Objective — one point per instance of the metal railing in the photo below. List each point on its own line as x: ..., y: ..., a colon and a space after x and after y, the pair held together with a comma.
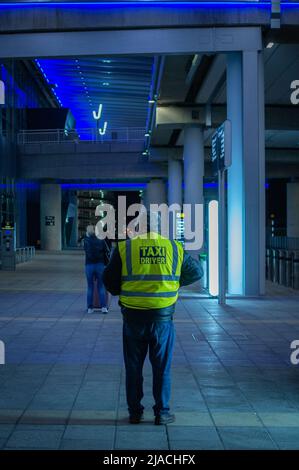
x: 282, y: 267
x: 56, y: 136
x: 283, y: 243
x: 24, y: 254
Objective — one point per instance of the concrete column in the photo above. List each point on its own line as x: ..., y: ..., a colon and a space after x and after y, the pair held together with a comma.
x: 246, y: 177
x: 193, y: 165
x: 175, y: 179
x: 73, y: 215
x: 155, y: 192
x: 175, y: 193
x: 235, y: 190
x: 193, y: 171
x: 292, y: 210
x: 50, y: 211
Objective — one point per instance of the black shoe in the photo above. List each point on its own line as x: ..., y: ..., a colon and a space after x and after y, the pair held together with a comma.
x: 165, y: 418
x: 136, y: 418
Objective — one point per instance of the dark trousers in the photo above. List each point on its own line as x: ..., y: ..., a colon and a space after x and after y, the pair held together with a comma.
x: 138, y: 339
x: 95, y: 271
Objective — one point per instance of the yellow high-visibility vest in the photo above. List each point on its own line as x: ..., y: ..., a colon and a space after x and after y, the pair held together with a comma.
x: 151, y: 268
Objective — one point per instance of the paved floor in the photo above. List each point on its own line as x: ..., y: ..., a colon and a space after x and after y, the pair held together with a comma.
x: 63, y: 383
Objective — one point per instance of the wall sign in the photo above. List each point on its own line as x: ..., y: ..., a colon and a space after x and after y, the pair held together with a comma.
x: 221, y: 147
x: 50, y: 220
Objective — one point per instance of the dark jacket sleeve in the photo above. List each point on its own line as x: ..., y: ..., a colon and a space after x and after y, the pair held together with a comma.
x: 191, y: 270
x: 112, y: 273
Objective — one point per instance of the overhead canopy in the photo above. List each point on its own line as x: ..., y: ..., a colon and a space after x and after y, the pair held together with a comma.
x: 121, y: 85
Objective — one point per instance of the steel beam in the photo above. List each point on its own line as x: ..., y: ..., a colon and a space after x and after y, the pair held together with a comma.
x: 135, y: 42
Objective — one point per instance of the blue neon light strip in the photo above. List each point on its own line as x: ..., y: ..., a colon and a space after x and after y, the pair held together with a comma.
x: 147, y: 3
x: 123, y: 185
x: 48, y: 81
x: 136, y: 186
x: 104, y: 185
x: 150, y: 3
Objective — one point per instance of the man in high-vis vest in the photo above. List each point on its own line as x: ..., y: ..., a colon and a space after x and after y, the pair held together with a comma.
x: 147, y: 272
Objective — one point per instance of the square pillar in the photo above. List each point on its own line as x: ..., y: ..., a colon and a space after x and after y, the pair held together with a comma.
x: 155, y: 192
x: 246, y: 177
x: 50, y: 217
x: 175, y: 180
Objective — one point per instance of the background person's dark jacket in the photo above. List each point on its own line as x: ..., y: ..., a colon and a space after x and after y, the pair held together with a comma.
x: 191, y: 272
x: 95, y: 250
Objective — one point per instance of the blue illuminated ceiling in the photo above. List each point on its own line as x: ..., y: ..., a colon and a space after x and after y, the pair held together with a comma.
x: 133, y: 3
x: 121, y: 85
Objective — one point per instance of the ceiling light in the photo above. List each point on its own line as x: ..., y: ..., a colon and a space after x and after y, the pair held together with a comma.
x: 106, y: 83
x: 270, y: 45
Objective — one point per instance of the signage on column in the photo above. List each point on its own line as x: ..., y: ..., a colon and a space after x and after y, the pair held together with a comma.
x: 180, y: 227
x: 221, y: 147
x: 221, y: 160
x: 8, y: 226
x: 50, y: 220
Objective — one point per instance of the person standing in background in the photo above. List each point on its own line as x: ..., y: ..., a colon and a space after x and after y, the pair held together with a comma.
x: 95, y: 260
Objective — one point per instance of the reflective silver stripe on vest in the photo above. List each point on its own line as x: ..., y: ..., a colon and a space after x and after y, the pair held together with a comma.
x: 127, y: 293
x: 151, y: 277
x: 175, y: 257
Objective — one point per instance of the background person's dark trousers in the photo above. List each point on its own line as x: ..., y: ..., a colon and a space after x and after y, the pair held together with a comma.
x: 95, y: 272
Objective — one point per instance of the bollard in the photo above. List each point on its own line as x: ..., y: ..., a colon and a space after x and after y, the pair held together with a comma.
x: 275, y: 264
x: 289, y: 269
x: 282, y: 267
x: 269, y: 264
x: 296, y: 270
